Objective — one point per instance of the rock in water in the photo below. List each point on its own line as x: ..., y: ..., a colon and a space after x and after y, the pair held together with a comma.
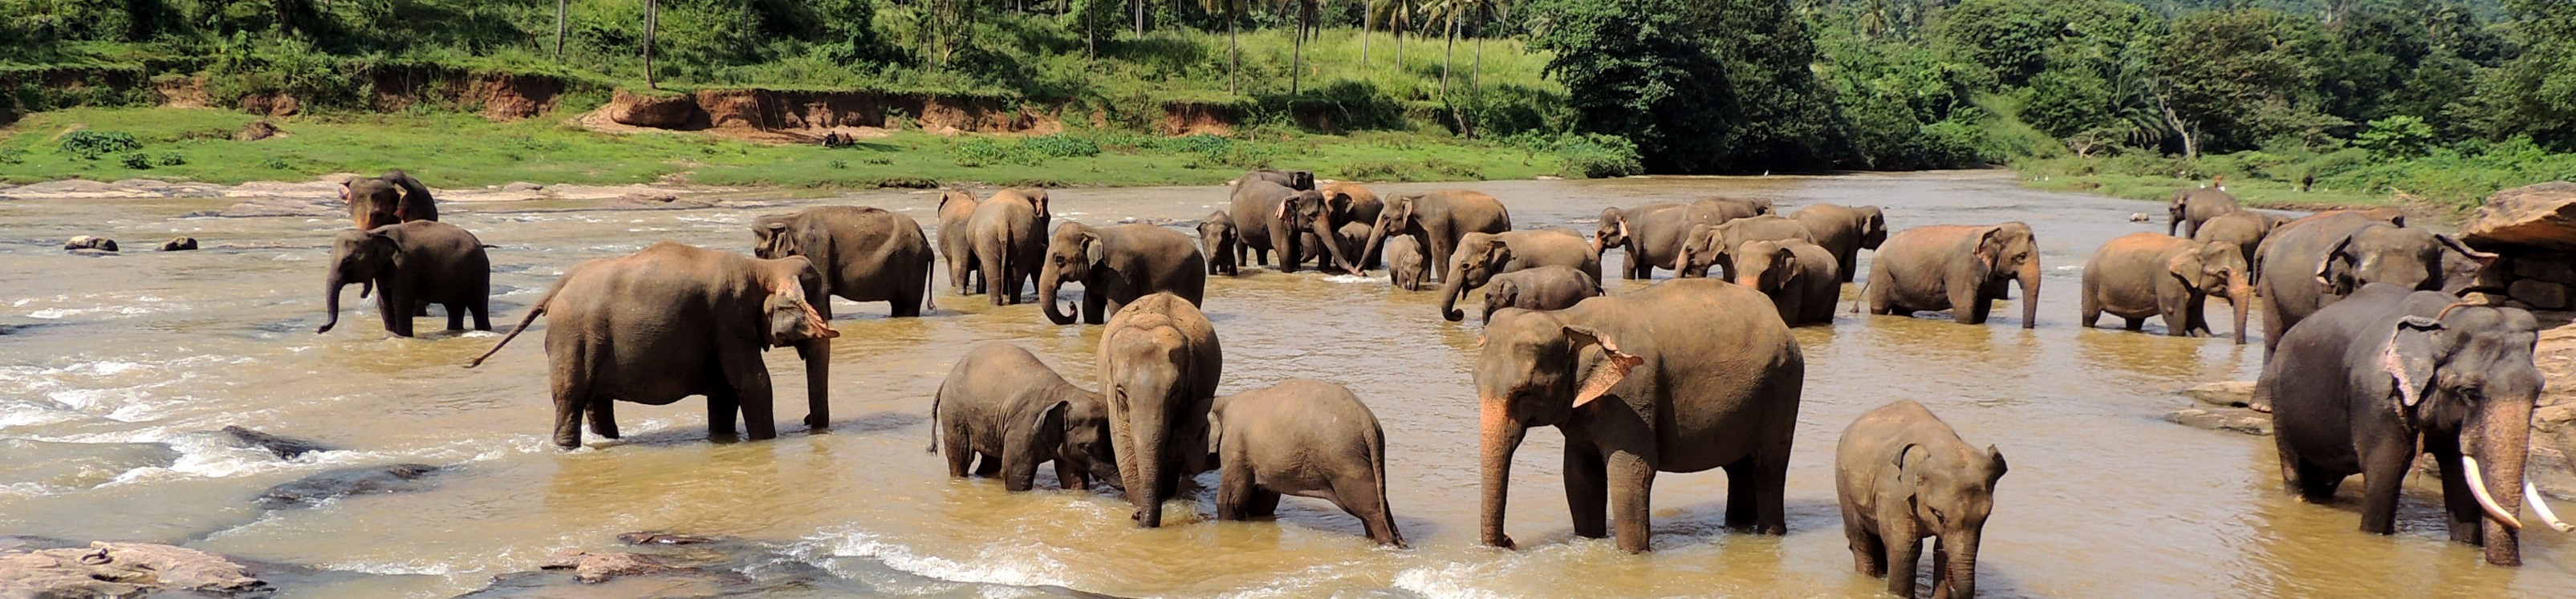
x: 2138, y: 217
x: 2540, y: 216
x: 285, y: 448
x: 90, y: 242
x: 2226, y: 394
x: 124, y: 570
x: 310, y: 490
x: 2224, y: 419
x: 179, y: 244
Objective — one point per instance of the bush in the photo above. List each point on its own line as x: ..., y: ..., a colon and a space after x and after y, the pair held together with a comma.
x: 1061, y: 146
x: 90, y: 145
x: 274, y: 163
x: 1596, y: 156
x: 983, y: 151
x: 171, y: 159
x: 2401, y: 136
x: 138, y: 161
x: 13, y: 156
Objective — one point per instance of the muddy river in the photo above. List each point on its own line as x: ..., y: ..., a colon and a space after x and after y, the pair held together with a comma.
x: 116, y: 373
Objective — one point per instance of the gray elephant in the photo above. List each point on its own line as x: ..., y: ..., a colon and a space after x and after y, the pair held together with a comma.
x: 1798, y: 276
x: 1301, y: 437
x: 956, y: 246
x: 2310, y: 263
x: 1844, y: 230
x: 1117, y: 264
x: 416, y: 264
x: 1292, y: 179
x: 1158, y: 365
x: 1962, y: 269
x: 2191, y: 207
x: 1718, y: 211
x: 1651, y: 234
x: 1436, y: 220
x: 392, y: 198
x: 1273, y: 217
x: 2369, y: 383
x: 1901, y: 476
x: 2146, y: 274
x: 672, y: 321
x: 1217, y: 239
x: 1541, y: 288
x: 2244, y: 229
x: 1000, y: 402
x: 1009, y: 234
x: 1406, y: 267
x: 866, y: 254
x: 1480, y: 256
x: 1707, y: 245
x: 1351, y: 204
x: 1683, y: 376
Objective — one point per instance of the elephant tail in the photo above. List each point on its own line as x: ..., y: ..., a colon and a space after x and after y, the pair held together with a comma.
x: 534, y: 311
x: 929, y: 284
x: 1864, y: 298
x: 934, y: 418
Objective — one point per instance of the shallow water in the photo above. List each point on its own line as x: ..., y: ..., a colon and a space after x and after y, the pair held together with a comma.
x: 115, y: 372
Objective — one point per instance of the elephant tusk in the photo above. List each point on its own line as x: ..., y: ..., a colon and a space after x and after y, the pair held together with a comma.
x: 2531, y: 494
x: 2478, y: 488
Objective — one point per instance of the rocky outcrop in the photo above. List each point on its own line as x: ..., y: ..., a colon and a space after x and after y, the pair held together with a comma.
x: 179, y: 244
x: 90, y: 242
x: 255, y: 131
x: 513, y: 97
x: 122, y: 570
x: 282, y: 447
x: 2539, y: 216
x: 311, y: 490
x: 658, y: 112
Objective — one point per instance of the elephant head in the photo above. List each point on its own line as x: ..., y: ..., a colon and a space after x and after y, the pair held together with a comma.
x: 1873, y: 226
x: 1479, y: 254
x: 1395, y: 219
x: 1072, y: 253
x: 1700, y: 250
x: 1080, y: 425
x: 771, y: 239
x: 797, y: 314
x: 357, y: 257
x: 1951, y: 492
x: 1308, y: 212
x: 1613, y: 230
x: 1534, y: 369
x: 1502, y: 294
x: 2005, y: 253
x: 1765, y: 266
x: 2465, y: 374
x: 2412, y: 258
x: 2175, y: 209
x: 2218, y: 268
x: 1146, y: 376
x: 1297, y: 180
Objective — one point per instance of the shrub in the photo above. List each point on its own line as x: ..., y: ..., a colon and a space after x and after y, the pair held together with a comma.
x: 1061, y: 146
x: 13, y: 156
x: 1594, y: 155
x: 138, y: 161
x: 274, y: 163
x: 90, y: 145
x: 838, y: 164
x: 171, y: 159
x: 983, y: 151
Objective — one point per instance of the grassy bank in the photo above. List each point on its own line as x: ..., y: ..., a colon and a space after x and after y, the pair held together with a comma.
x: 2439, y: 180
x: 453, y: 150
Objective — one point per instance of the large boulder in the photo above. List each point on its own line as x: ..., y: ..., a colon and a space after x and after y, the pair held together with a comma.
x: 123, y: 570
x: 2539, y: 216
x: 313, y: 490
x: 664, y: 112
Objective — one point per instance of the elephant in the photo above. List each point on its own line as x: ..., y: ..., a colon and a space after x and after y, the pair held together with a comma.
x: 1352, y: 203
x: 956, y: 245
x: 1683, y: 376
x: 1541, y: 288
x: 1275, y: 217
x: 418, y: 263
x: 1292, y: 179
x: 1707, y: 245
x: 2192, y: 206
x: 1158, y: 365
x: 674, y: 320
x: 1436, y: 220
x: 1009, y: 233
x: 1117, y: 264
x: 1481, y: 255
x: 866, y: 254
x: 1301, y: 437
x: 2243, y: 228
x: 1963, y: 269
x: 2147, y: 274
x: 1717, y: 211
x: 2310, y: 263
x: 1405, y: 265
x: 1004, y: 404
x: 1217, y: 238
x: 2390, y: 372
x: 391, y: 198
x: 1798, y: 276
x: 1901, y: 474
x: 1844, y: 230
x: 1650, y: 233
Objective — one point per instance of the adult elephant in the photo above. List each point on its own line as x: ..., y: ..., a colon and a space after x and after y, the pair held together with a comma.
x: 2192, y: 206
x: 1269, y: 216
x: 1845, y: 231
x: 1351, y: 204
x: 672, y: 321
x: 416, y: 264
x: 1683, y: 376
x: 1799, y: 277
x: 392, y: 198
x: 1292, y: 179
x: 1117, y: 264
x: 1708, y: 245
x: 1436, y: 220
x: 2244, y: 229
x: 1651, y: 234
x: 2139, y: 275
x: 1009, y: 233
x: 2312, y: 262
x: 1963, y: 269
x: 2391, y: 372
x: 1480, y: 256
x: 1717, y: 211
x: 866, y: 254
x: 956, y: 246
x: 1158, y: 366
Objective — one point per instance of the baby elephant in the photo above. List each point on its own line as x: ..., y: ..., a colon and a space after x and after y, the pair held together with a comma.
x: 2145, y: 274
x: 1002, y: 403
x: 1406, y: 266
x: 1799, y: 277
x: 1216, y: 241
x: 1301, y: 437
x: 1542, y: 288
x: 1903, y: 475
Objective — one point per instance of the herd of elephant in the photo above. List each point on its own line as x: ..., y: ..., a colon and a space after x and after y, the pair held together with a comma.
x: 2371, y: 356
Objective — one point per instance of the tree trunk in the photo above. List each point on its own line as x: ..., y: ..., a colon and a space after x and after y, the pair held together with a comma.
x: 1476, y: 77
x: 1140, y: 17
x: 1449, y: 52
x: 1297, y: 57
x: 559, y: 27
x: 1233, y: 55
x: 649, y: 6
x: 1368, y: 14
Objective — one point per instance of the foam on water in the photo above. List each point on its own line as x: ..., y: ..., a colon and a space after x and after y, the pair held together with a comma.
x: 1003, y: 563
x: 1447, y: 580
x: 1347, y: 278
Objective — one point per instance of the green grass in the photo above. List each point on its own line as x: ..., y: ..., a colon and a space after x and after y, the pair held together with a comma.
x: 2445, y: 181
x: 455, y: 150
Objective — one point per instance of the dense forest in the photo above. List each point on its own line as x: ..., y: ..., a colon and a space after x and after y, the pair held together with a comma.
x: 2365, y: 94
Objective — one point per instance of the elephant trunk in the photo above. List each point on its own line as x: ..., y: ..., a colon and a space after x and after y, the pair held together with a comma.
x: 817, y: 354
x: 1147, y: 491
x: 331, y: 301
x: 2029, y: 277
x: 1377, y: 237
x: 2240, y: 298
x: 1450, y: 290
x: 1290, y: 242
x: 1502, y: 436
x: 1333, y: 243
x: 1048, y: 280
x: 1959, y: 577
x: 2503, y: 436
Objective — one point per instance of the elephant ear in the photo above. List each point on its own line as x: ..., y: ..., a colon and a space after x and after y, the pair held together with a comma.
x: 1038, y: 199
x: 347, y: 196
x: 774, y: 236
x: 2334, y: 272
x: 1614, y: 365
x: 1994, y: 466
x: 1094, y: 252
x: 2186, y: 266
x: 1051, y: 422
x: 1909, y: 473
x: 1990, y: 247
x: 1785, y: 262
x: 2408, y: 358
x: 2460, y: 274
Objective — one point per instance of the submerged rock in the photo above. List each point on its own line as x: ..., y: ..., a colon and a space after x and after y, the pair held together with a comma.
x: 2226, y: 394
x: 90, y: 242
x: 656, y: 538
x: 179, y: 244
x: 667, y: 565
x: 285, y: 448
x: 123, y: 570
x: 310, y: 490
x: 2223, y: 419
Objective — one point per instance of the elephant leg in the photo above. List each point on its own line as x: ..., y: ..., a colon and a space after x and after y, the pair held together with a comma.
x: 1742, y: 504
x: 1096, y: 307
x: 996, y: 279
x: 482, y: 308
x: 988, y: 465
x: 750, y: 385
x: 1771, y: 491
x: 2133, y: 324
x: 1587, y: 489
x: 1357, y: 492
x: 1234, y: 491
x: 2308, y: 483
x: 959, y: 457
x: 1019, y: 465
x: 1904, y: 553
x: 455, y: 315
x: 1869, y: 553
x: 2383, y: 477
x: 1070, y: 477
x: 603, y: 417
x: 395, y: 312
x: 1440, y: 251
x: 572, y: 397
x: 1977, y: 308
x: 1631, y: 493
x: 2179, y: 316
x: 2090, y: 315
x: 2466, y: 519
x: 723, y: 403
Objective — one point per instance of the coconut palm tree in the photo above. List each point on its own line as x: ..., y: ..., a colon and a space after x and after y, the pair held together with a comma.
x: 1398, y: 16
x: 1233, y: 53
x: 560, y: 9
x: 650, y: 20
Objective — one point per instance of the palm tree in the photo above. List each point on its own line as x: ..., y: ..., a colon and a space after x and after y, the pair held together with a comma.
x: 1297, y: 58
x: 650, y: 21
x: 1367, y: 19
x: 559, y: 27
x: 1447, y: 9
x: 1398, y: 16
x: 1233, y: 53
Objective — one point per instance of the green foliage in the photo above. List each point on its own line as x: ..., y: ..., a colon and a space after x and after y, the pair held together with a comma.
x: 170, y: 159
x: 1595, y: 156
x: 13, y: 156
x: 137, y: 161
x: 1061, y: 146
x: 90, y: 145
x: 2401, y: 136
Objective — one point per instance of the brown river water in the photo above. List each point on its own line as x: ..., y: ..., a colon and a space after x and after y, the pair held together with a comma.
x: 115, y: 372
